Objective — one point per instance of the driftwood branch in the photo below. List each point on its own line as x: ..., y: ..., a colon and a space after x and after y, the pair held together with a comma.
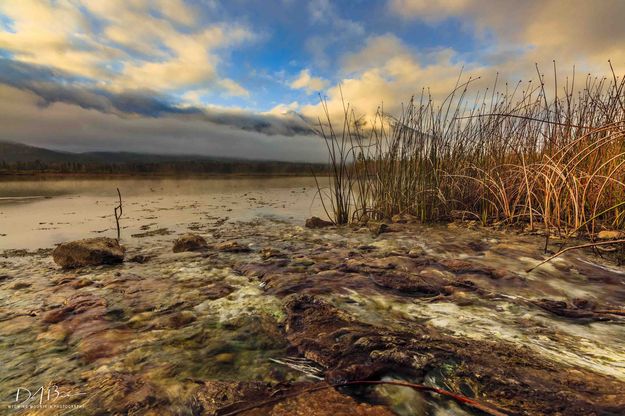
x: 559, y: 253
x: 118, y: 211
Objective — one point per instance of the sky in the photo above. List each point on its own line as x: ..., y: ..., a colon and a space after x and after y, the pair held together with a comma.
x: 244, y: 78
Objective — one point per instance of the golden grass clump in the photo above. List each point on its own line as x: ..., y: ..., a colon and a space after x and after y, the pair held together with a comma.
x: 509, y: 156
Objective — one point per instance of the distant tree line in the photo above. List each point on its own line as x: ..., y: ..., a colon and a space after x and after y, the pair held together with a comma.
x: 182, y: 167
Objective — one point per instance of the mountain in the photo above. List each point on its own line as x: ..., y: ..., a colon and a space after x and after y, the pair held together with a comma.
x: 16, y: 152
x: 20, y: 158
x: 11, y: 152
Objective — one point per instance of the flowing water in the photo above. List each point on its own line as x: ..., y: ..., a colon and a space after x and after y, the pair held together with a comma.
x: 175, y: 318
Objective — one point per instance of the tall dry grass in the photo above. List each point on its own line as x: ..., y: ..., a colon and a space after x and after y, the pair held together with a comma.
x: 510, y: 155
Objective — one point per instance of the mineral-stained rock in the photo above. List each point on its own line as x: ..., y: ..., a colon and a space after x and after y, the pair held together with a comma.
x: 79, y: 304
x: 88, y: 252
x: 407, y: 283
x: 325, y: 402
x: 190, y: 242
x: 467, y: 267
x: 121, y: 393
x: 515, y: 380
x: 231, y: 247
x: 310, y: 399
x: 316, y: 222
x: 579, y: 309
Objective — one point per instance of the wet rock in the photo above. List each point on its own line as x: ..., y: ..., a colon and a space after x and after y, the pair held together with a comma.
x: 152, y: 233
x: 379, y: 228
x: 467, y: 267
x: 139, y: 258
x: 610, y: 235
x: 216, y: 290
x: 225, y: 358
x: 182, y: 318
x: 416, y: 252
x: 325, y: 402
x: 318, y: 399
x: 316, y: 222
x: 231, y: 247
x: 261, y: 269
x: 403, y: 218
x: 81, y: 282
x: 85, y: 304
x: 88, y: 252
x: 406, y: 283
x: 21, y: 285
x: 190, y: 242
x: 506, y: 377
x: 120, y: 393
x: 478, y: 246
x: 579, y: 309
x: 215, y: 396
x: 270, y: 252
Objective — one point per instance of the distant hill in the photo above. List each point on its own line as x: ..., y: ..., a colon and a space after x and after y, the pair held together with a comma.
x: 16, y: 152
x: 17, y: 158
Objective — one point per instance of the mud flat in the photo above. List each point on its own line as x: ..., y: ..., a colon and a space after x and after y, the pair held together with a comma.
x: 215, y: 331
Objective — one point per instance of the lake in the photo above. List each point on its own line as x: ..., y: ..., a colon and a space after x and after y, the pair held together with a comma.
x: 41, y: 213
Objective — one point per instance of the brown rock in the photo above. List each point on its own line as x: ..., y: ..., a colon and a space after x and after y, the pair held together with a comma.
x: 231, y: 247
x: 189, y: 242
x: 88, y: 252
x: 515, y: 379
x: 310, y: 399
x: 270, y: 252
x: 316, y: 222
x: 610, y: 235
x: 403, y: 218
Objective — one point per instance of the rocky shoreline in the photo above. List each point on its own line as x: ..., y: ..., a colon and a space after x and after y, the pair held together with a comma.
x: 265, y: 309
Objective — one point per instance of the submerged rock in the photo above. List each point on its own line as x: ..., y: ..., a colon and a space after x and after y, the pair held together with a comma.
x: 310, y: 399
x: 88, y: 252
x: 190, y: 242
x: 316, y: 222
x: 231, y: 247
x: 513, y: 379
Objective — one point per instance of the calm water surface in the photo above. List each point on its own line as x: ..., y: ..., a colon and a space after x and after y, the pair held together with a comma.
x: 41, y: 213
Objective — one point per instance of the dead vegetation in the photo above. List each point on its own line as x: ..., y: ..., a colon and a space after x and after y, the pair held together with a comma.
x: 515, y: 155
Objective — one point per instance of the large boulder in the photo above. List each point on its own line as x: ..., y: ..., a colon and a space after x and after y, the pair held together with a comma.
x: 88, y: 252
x: 190, y: 242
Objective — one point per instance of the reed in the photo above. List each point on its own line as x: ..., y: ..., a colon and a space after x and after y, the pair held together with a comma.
x: 512, y: 155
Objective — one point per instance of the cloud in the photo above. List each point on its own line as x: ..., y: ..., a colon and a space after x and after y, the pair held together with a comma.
x: 387, y: 72
x: 285, y: 108
x: 569, y: 31
x: 510, y: 38
x: 310, y: 84
x: 53, y: 86
x: 156, y: 45
x: 73, y: 128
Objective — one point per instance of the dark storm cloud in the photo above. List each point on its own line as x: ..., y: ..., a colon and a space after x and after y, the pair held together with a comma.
x: 52, y: 86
